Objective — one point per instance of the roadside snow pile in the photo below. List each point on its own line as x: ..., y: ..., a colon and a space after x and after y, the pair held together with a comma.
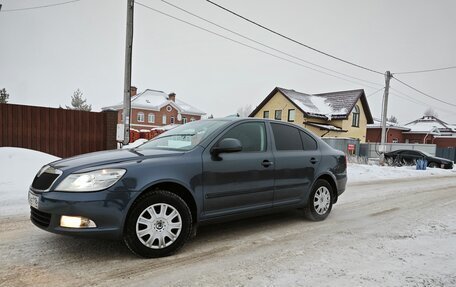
x: 365, y: 173
x: 18, y: 167
x: 134, y: 144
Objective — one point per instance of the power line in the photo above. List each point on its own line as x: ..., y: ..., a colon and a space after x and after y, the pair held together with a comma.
x: 293, y: 40
x: 39, y: 7
x: 426, y: 71
x: 423, y: 93
x: 246, y: 45
x: 374, y: 93
x: 265, y: 45
x: 409, y: 98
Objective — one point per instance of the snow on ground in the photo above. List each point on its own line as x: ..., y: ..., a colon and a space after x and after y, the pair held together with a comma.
x: 18, y: 167
x: 358, y: 173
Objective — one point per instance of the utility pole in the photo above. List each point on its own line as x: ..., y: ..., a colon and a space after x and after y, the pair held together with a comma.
x: 127, y: 79
x: 388, y: 77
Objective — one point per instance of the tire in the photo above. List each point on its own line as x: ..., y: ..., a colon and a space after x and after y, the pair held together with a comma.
x: 159, y: 223
x: 320, y: 201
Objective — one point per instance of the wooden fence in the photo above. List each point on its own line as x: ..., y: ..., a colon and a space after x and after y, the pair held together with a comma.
x: 59, y: 132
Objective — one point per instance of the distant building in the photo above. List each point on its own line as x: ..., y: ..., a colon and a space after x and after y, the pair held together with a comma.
x: 152, y: 109
x: 425, y: 130
x: 342, y: 114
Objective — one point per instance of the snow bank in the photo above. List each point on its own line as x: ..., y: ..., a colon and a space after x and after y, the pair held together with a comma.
x: 365, y: 173
x: 18, y: 167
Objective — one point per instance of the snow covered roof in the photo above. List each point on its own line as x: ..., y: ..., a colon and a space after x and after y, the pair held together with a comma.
x: 155, y: 100
x: 327, y: 127
x: 390, y: 125
x: 334, y: 105
x: 430, y: 124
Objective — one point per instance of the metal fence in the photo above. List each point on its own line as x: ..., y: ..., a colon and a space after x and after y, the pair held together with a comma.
x: 347, y: 145
x: 372, y: 150
x: 447, y: 152
x: 59, y: 132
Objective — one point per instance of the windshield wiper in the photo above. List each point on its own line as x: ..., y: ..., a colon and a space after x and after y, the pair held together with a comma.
x: 183, y: 135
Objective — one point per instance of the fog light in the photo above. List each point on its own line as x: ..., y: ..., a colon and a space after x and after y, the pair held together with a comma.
x: 76, y: 222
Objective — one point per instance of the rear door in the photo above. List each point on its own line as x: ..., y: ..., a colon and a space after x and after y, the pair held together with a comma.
x: 296, y: 157
x: 239, y: 181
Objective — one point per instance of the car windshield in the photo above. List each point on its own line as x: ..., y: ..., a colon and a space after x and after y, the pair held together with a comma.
x: 184, y: 137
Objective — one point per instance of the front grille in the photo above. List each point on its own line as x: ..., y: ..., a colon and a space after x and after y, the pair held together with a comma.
x: 40, y: 218
x: 44, y: 181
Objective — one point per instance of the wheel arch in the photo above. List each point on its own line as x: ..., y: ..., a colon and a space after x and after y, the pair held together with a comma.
x: 173, y: 187
x: 332, y: 181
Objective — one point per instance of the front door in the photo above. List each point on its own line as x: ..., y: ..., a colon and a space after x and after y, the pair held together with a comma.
x: 239, y: 181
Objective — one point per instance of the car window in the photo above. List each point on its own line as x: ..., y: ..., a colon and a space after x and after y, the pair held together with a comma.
x: 184, y: 137
x: 308, y: 142
x: 286, y: 137
x: 251, y: 135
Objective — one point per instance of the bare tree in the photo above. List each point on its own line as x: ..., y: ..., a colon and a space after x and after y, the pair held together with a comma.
x: 4, y: 96
x: 78, y: 102
x: 431, y: 112
x: 393, y: 119
x: 245, y: 111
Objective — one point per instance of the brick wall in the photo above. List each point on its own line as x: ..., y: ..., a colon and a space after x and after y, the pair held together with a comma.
x: 375, y: 134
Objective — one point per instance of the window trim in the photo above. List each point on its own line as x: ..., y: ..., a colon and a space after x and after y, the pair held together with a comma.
x: 138, y: 117
x: 164, y: 119
x: 149, y: 115
x: 184, y: 120
x: 264, y: 114
x: 294, y: 116
x: 355, y: 117
x: 275, y: 115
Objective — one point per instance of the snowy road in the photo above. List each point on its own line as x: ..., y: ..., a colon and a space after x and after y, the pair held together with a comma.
x: 397, y: 233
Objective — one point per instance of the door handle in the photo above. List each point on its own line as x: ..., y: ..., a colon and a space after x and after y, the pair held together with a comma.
x: 267, y: 163
x: 313, y: 160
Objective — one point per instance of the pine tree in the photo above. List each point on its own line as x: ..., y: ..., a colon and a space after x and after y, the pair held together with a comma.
x: 4, y: 96
x: 393, y: 119
x: 78, y: 102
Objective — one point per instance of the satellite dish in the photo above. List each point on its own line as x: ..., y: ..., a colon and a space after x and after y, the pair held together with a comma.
x: 179, y: 117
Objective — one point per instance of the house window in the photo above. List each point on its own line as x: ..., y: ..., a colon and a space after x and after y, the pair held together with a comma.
x: 278, y: 115
x: 291, y: 115
x: 355, y: 115
x: 172, y: 120
x: 164, y: 119
x: 169, y: 108
x: 395, y: 140
x: 151, y: 118
x: 266, y: 115
x: 192, y: 119
x: 184, y: 120
x: 140, y: 117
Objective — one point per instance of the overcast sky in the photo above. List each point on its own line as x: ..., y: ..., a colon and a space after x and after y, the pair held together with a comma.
x: 46, y: 54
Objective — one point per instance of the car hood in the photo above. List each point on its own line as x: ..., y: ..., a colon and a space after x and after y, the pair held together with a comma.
x: 108, y: 157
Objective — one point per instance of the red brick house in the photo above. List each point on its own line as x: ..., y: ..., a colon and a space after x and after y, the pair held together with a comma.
x: 425, y: 130
x: 153, y: 109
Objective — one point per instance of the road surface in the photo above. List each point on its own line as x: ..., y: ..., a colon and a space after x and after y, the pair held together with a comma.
x: 392, y: 233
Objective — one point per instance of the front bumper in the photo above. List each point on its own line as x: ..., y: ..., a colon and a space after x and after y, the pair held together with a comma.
x: 106, y: 208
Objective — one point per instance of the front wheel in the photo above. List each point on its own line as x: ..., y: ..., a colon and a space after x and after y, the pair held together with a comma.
x: 320, y: 201
x: 159, y: 223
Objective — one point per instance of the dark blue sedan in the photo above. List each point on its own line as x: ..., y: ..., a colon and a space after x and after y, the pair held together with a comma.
x: 154, y: 196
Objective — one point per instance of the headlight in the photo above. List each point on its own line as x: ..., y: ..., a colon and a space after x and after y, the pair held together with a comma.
x: 91, y: 181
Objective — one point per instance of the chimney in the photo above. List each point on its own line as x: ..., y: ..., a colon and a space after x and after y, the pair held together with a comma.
x: 133, y: 91
x: 172, y: 97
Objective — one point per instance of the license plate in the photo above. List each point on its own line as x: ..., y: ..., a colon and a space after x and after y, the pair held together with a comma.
x: 33, y: 200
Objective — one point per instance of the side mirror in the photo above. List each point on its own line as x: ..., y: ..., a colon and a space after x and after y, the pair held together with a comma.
x: 227, y: 145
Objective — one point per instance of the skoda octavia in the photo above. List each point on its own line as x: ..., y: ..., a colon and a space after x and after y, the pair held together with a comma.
x: 154, y: 196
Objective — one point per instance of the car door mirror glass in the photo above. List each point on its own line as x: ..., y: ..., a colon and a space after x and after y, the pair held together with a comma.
x: 227, y: 145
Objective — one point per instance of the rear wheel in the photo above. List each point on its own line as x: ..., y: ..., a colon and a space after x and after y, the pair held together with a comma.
x: 320, y: 201
x: 158, y: 225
